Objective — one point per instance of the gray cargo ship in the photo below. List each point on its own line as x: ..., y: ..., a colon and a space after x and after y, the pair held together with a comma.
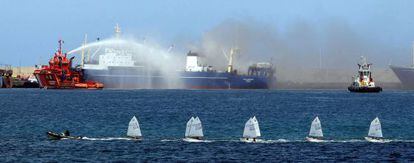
x: 405, y: 74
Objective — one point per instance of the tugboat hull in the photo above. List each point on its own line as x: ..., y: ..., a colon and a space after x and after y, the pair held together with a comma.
x: 364, y: 89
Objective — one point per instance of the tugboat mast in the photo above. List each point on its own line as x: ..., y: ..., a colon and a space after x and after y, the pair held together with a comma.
x: 60, y: 46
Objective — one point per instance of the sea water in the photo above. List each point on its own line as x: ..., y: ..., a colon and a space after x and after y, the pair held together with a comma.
x: 284, y: 117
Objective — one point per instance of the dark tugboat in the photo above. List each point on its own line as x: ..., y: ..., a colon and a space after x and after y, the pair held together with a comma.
x: 363, y: 82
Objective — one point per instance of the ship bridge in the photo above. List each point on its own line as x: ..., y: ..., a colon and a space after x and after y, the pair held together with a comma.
x: 261, y: 69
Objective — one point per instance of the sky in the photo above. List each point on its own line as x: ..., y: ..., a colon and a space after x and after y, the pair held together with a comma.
x: 30, y: 29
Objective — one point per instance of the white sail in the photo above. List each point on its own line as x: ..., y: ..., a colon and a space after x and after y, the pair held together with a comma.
x: 198, y: 128
x: 133, y: 128
x: 316, y: 128
x: 375, y: 129
x: 251, y: 128
x: 256, y: 126
x: 249, y: 131
x: 188, y: 127
x: 194, y: 128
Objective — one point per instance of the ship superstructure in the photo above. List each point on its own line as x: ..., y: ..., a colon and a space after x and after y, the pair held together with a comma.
x: 196, y: 76
x: 117, y: 69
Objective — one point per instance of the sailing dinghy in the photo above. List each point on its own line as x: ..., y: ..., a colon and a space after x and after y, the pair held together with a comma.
x: 375, y: 132
x: 134, y: 131
x: 194, y: 130
x: 315, y: 132
x: 251, y: 131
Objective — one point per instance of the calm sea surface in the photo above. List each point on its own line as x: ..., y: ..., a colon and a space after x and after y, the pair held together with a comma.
x: 284, y: 117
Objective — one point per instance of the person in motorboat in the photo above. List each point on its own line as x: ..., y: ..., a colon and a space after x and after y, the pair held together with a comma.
x: 66, y: 133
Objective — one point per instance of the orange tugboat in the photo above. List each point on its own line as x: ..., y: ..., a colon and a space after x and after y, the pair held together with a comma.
x: 60, y: 74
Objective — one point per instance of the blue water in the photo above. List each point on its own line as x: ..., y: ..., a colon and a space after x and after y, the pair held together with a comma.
x: 284, y: 117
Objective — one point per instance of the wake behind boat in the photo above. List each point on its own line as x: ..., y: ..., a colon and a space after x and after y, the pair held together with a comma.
x: 315, y: 133
x: 134, y: 131
x: 64, y: 135
x: 375, y: 132
x: 251, y: 131
x: 194, y: 130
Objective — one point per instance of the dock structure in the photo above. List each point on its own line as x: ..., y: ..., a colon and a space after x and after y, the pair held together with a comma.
x: 6, y: 72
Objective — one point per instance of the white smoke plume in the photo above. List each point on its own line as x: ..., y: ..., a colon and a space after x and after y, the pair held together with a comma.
x: 301, y: 51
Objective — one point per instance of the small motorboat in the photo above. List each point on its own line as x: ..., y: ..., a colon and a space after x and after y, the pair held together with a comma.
x: 65, y: 135
x: 363, y: 81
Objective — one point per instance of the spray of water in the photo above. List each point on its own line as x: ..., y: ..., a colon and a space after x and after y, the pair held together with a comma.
x: 152, y: 66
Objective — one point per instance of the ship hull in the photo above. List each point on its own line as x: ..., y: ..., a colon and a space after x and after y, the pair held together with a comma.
x: 222, y: 80
x: 134, y: 78
x: 126, y: 78
x: 364, y: 89
x: 405, y: 75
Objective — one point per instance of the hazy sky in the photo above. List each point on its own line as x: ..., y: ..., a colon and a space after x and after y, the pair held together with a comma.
x: 30, y: 29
